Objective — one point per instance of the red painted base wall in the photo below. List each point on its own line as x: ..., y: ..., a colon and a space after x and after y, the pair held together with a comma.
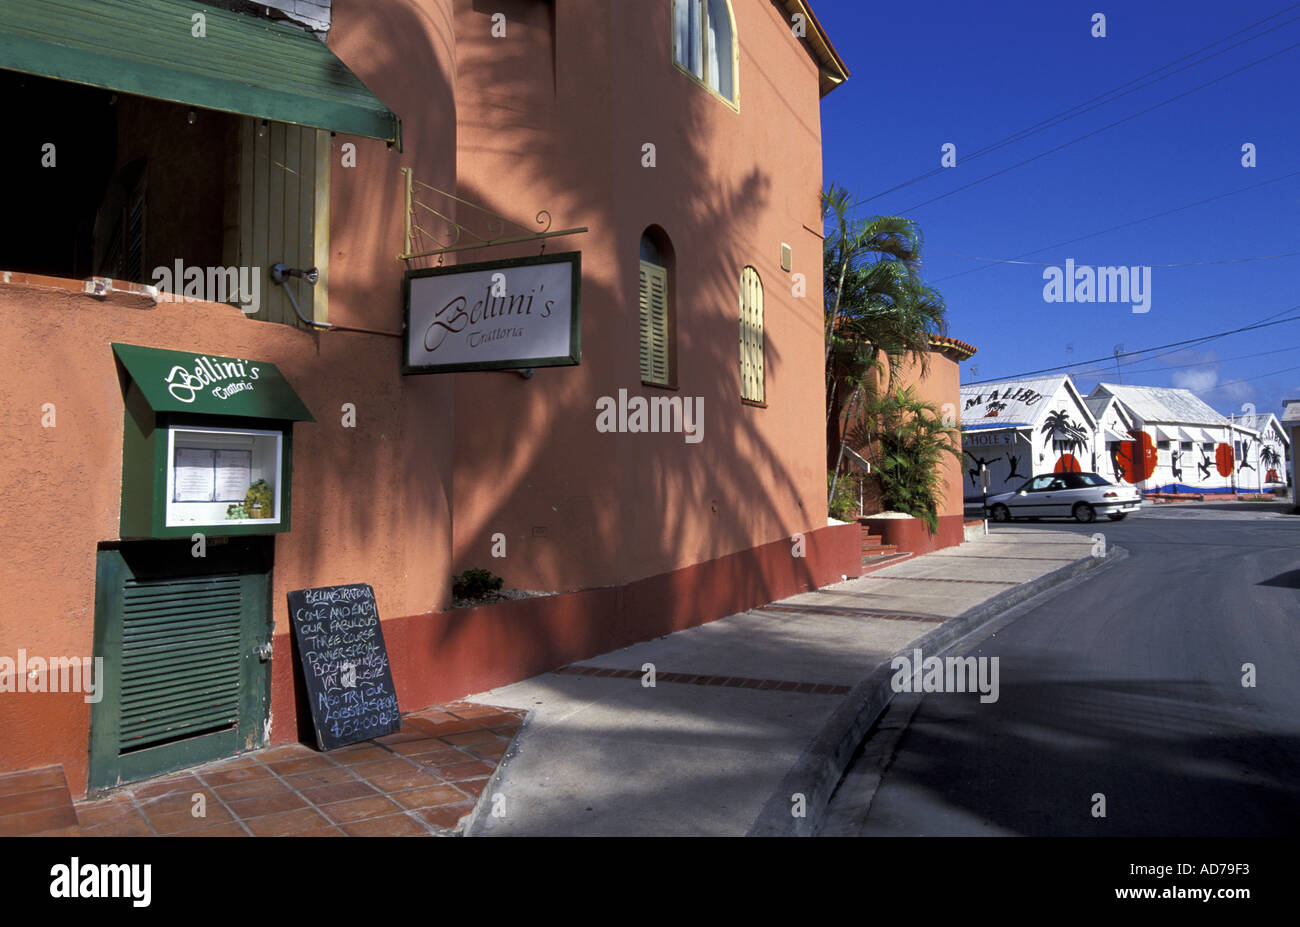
x: 443, y: 656
x: 910, y: 534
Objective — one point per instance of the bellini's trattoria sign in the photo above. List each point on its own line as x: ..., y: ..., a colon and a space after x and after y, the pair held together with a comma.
x: 494, y: 316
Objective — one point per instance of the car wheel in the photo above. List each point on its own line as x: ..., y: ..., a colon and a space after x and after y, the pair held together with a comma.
x: 1117, y: 516
x: 1084, y: 512
x: 1000, y: 513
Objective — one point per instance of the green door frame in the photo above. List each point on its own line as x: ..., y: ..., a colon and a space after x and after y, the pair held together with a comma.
x: 248, y: 558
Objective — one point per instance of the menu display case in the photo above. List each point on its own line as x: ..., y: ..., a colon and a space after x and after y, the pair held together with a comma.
x: 207, y: 447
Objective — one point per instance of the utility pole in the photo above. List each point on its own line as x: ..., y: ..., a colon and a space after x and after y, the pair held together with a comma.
x: 1232, y: 443
x: 1119, y: 349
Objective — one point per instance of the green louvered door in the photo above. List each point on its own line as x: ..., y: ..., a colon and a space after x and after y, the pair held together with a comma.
x: 184, y: 681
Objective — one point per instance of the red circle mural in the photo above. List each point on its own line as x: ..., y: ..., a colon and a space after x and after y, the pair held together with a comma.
x: 1137, y: 458
x: 1067, y: 463
x: 1223, y: 459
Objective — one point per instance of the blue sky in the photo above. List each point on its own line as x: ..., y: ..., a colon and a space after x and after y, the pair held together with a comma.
x: 933, y: 72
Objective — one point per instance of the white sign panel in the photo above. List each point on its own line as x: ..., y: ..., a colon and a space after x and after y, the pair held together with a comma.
x: 987, y: 438
x: 499, y: 315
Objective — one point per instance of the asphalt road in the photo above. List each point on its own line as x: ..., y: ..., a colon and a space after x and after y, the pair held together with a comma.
x: 1127, y: 684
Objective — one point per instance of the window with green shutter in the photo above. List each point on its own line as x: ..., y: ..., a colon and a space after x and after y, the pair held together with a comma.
x: 654, y: 324
x: 751, y: 336
x: 657, y: 324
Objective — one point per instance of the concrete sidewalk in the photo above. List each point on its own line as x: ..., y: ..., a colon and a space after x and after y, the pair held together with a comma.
x: 749, y: 709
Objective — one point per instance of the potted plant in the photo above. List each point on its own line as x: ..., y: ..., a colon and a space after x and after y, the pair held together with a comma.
x: 259, y: 502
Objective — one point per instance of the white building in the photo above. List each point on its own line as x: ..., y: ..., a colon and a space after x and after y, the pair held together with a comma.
x: 1291, y: 422
x: 1198, y: 450
x: 1019, y: 428
x: 1114, y: 424
x: 1268, y: 454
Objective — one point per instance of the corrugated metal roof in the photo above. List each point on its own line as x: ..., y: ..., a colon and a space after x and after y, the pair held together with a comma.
x: 1097, y: 404
x: 241, y: 64
x: 1260, y: 423
x: 1163, y: 404
x: 1009, y: 402
x: 1291, y: 415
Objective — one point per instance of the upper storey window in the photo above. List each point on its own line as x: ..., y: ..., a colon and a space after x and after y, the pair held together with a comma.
x: 704, y: 44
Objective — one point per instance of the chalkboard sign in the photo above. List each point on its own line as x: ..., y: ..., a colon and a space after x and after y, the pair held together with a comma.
x: 344, y: 664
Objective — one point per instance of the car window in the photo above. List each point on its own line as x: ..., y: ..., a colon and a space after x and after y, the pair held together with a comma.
x: 1083, y: 480
x: 1057, y: 483
x: 1041, y: 483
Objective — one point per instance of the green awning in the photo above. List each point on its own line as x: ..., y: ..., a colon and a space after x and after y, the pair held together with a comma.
x: 186, y: 381
x: 243, y: 65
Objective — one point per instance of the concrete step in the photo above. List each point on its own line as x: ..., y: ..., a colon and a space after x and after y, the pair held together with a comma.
x: 870, y: 564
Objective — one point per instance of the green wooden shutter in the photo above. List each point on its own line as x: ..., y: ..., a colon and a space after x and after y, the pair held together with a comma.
x: 181, y: 643
x: 751, y: 336
x: 283, y: 214
x: 654, y: 324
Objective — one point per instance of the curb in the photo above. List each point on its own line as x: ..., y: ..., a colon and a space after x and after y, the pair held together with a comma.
x: 820, y: 767
x: 469, y: 825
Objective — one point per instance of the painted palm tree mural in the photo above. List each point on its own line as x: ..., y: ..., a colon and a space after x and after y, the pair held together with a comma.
x: 1067, y: 437
x: 1271, y: 459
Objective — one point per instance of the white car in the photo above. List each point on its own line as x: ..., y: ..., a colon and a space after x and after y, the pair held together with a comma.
x: 1081, y: 496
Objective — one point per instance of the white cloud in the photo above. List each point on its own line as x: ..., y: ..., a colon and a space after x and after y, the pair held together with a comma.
x: 1196, y: 379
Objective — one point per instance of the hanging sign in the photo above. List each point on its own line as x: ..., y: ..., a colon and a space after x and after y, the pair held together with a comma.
x: 494, y: 316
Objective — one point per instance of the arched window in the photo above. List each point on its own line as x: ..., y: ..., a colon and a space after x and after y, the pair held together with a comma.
x: 704, y: 44
x: 657, y: 354
x: 751, y: 336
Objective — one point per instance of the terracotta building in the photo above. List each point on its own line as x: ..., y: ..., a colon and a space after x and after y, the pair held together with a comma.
x: 243, y: 354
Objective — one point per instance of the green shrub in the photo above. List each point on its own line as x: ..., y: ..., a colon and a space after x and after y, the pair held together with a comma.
x: 910, y: 440
x: 844, y: 504
x: 475, y: 584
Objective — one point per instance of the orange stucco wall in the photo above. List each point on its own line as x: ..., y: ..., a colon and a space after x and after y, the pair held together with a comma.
x: 436, y: 465
x: 940, y: 385
x: 937, y: 383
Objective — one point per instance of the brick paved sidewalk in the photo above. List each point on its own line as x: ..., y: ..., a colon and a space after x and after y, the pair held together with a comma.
x: 418, y: 782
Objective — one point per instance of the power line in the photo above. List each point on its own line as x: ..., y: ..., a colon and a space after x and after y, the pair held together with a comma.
x: 1067, y: 114
x: 1119, y: 354
x: 1105, y: 128
x: 1122, y: 225
x: 1204, y: 363
x: 1271, y: 373
x: 1266, y: 257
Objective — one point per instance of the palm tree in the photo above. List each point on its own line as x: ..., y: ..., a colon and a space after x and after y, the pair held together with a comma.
x: 910, y: 441
x: 876, y: 307
x: 1064, y: 431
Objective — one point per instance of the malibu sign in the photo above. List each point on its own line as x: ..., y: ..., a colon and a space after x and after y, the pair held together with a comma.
x: 498, y: 315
